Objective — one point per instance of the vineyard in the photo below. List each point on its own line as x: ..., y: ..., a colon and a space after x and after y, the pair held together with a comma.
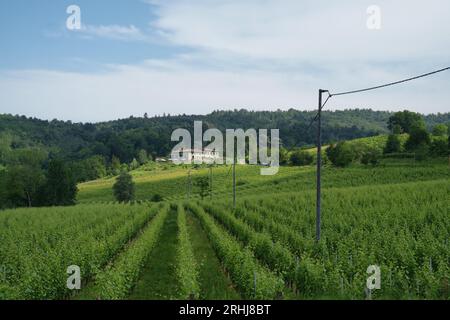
x: 395, y: 217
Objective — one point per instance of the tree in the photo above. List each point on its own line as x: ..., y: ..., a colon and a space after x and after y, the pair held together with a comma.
x: 301, y: 158
x: 124, y: 187
x: 22, y: 183
x: 60, y: 188
x: 440, y: 130
x: 89, y: 169
x: 393, y: 144
x: 418, y: 138
x: 202, y: 183
x: 397, y: 129
x: 115, y: 166
x: 371, y: 156
x: 406, y: 120
x: 5, y: 147
x: 439, y: 147
x: 142, y: 157
x: 284, y: 156
x: 24, y: 177
x: 134, y: 164
x: 341, y: 154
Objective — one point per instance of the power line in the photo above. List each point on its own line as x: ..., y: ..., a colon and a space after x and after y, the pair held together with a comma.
x: 319, y: 129
x: 390, y: 84
x: 330, y: 95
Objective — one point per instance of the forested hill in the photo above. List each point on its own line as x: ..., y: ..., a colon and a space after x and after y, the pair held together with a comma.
x: 124, y: 138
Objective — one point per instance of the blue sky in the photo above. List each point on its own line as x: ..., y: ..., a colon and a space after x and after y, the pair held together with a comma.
x: 38, y: 37
x: 195, y: 56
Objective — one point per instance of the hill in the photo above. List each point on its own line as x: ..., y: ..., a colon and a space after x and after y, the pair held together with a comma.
x: 126, y: 137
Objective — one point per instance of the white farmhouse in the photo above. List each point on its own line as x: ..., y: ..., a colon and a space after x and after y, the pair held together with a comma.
x: 190, y: 155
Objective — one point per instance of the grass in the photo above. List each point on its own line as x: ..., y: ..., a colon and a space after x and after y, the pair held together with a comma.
x: 158, y: 279
x: 173, y: 185
x: 214, y: 284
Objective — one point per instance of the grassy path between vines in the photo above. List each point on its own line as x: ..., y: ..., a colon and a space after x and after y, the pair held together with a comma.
x: 214, y: 284
x: 158, y: 279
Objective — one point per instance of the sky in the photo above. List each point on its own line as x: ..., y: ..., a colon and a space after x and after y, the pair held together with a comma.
x: 131, y: 57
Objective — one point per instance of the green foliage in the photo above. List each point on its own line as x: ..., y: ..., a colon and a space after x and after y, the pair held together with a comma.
x: 353, y: 238
x: 419, y: 139
x: 284, y: 156
x: 406, y: 120
x: 239, y: 262
x: 157, y: 198
x: 21, y: 186
x: 202, y: 184
x: 90, y: 169
x: 301, y: 158
x: 125, y: 138
x: 272, y: 254
x: 116, y: 281
x: 143, y: 157
x: 341, y: 154
x: 440, y: 147
x: 440, y: 130
x: 393, y: 144
x: 124, y: 188
x: 134, y: 164
x: 115, y: 166
x: 38, y: 245
x: 371, y: 156
x: 187, y: 267
x: 60, y: 187
x: 168, y: 182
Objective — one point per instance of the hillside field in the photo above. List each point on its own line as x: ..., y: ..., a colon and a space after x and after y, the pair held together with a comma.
x: 395, y: 216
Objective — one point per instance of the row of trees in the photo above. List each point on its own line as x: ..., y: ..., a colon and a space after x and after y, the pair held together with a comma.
x: 420, y: 143
x: 31, y: 184
x: 99, y: 167
x: 127, y: 137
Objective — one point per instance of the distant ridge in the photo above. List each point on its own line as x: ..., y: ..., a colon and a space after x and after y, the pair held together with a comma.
x: 125, y: 137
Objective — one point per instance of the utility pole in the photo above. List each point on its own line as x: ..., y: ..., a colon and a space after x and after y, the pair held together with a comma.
x: 319, y: 167
x: 234, y: 183
x: 188, y: 185
x: 210, y: 182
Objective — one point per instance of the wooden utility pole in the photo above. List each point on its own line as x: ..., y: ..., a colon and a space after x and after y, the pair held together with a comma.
x: 319, y: 167
x: 234, y: 183
x: 210, y: 183
x: 188, y: 186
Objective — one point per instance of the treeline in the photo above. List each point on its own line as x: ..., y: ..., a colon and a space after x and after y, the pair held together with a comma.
x: 32, y: 180
x: 409, y: 138
x: 31, y: 177
x: 126, y: 138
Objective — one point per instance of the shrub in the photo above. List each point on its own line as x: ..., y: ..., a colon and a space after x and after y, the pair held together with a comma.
x: 157, y: 198
x: 301, y: 158
x: 371, y: 156
x: 393, y: 144
x: 341, y: 155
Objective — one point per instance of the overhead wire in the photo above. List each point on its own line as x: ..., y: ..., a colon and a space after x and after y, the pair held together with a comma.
x: 330, y: 95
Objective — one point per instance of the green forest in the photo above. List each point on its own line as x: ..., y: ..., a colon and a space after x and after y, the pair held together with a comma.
x: 42, y: 162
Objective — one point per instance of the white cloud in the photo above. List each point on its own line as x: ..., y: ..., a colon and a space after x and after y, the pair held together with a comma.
x: 174, y: 87
x: 256, y: 54
x: 308, y: 30
x: 114, y: 32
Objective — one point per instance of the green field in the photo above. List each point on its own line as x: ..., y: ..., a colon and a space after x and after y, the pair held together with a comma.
x: 395, y: 216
